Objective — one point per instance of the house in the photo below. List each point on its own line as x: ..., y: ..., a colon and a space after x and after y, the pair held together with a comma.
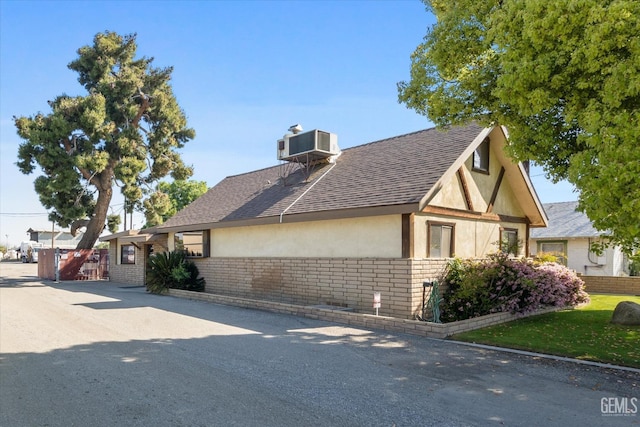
x: 331, y: 227
x: 55, y: 238
x: 569, y: 236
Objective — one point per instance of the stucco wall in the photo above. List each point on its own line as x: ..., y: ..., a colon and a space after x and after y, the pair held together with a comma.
x: 473, y: 239
x: 611, y: 263
x: 481, y: 186
x: 578, y: 259
x: 346, y: 282
x: 451, y: 195
x: 379, y: 236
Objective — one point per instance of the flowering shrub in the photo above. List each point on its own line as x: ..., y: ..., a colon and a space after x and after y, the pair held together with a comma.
x: 503, y: 284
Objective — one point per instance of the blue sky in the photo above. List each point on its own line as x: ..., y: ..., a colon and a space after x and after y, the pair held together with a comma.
x: 244, y: 71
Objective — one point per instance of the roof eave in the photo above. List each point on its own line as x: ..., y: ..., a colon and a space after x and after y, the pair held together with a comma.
x: 536, y: 200
x: 119, y: 235
x: 128, y: 236
x: 298, y: 217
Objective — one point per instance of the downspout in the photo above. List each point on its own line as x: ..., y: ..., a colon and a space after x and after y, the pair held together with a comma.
x: 306, y: 191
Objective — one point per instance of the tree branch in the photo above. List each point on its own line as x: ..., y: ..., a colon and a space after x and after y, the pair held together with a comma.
x: 143, y: 107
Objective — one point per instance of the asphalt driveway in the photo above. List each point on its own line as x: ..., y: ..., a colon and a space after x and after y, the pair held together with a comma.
x: 108, y: 354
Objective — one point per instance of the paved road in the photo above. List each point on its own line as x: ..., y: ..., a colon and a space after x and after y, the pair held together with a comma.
x: 107, y: 354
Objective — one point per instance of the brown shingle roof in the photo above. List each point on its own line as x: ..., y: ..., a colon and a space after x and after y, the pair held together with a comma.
x: 391, y: 172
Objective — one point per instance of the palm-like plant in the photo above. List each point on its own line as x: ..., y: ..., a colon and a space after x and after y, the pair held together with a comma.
x: 172, y: 270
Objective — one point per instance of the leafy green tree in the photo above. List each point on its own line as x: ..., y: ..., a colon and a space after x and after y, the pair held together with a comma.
x: 169, y: 198
x: 563, y: 76
x: 124, y: 131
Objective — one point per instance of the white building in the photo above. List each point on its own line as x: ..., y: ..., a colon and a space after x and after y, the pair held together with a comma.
x: 60, y: 239
x: 569, y: 235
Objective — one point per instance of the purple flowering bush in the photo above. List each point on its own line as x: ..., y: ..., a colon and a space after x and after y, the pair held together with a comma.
x: 503, y: 284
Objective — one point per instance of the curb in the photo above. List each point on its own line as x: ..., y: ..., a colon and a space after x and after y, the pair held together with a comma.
x: 545, y: 356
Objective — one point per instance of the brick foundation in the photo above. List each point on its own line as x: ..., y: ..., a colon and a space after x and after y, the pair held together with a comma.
x: 132, y: 274
x: 341, y: 282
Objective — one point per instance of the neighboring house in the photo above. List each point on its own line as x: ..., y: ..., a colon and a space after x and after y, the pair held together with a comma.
x: 569, y: 236
x: 61, y: 239
x: 331, y: 227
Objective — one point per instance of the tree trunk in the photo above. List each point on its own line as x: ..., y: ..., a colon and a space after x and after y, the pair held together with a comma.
x: 98, y: 220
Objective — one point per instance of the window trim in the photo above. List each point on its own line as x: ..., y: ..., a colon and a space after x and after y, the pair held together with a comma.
x: 205, y: 243
x: 564, y: 259
x: 482, y: 151
x: 452, y: 243
x: 128, y: 254
x: 506, y: 230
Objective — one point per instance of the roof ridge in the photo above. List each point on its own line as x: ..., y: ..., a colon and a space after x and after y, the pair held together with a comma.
x: 561, y: 203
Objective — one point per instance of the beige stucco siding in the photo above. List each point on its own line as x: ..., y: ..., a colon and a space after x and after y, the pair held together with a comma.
x: 473, y: 239
x: 451, y: 195
x: 481, y: 185
x: 522, y: 235
x: 582, y: 260
x: 506, y: 202
x: 367, y: 237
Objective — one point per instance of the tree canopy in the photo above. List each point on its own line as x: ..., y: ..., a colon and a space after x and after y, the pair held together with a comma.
x: 563, y: 77
x: 169, y: 198
x: 124, y: 131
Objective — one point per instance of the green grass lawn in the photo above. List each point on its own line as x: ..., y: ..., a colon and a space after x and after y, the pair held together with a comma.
x: 584, y: 333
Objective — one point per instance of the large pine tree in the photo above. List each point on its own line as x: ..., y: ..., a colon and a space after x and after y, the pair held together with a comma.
x: 125, y: 131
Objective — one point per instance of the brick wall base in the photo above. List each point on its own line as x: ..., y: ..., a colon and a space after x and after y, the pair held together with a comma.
x: 612, y: 285
x: 132, y: 274
x: 341, y: 282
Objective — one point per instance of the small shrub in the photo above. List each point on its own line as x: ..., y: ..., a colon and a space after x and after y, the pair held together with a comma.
x: 542, y: 257
x: 503, y: 284
x: 634, y: 265
x: 173, y: 270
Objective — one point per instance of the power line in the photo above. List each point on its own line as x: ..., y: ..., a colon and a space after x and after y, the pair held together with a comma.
x: 23, y: 213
